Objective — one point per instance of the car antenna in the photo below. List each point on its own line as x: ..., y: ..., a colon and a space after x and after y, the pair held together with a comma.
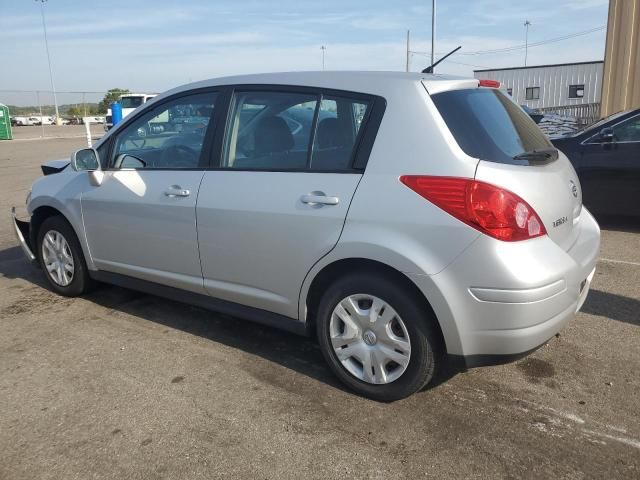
x: 430, y: 68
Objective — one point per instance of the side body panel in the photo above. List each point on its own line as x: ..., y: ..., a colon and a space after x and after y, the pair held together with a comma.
x: 134, y: 228
x: 610, y: 177
x: 391, y: 224
x: 62, y: 191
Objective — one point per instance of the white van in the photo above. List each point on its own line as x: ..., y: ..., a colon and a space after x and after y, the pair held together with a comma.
x: 129, y: 103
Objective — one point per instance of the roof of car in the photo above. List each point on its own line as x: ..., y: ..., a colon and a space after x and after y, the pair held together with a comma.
x: 360, y: 81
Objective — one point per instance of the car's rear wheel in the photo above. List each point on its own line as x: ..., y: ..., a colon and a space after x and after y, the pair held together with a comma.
x: 377, y: 338
x: 61, y: 258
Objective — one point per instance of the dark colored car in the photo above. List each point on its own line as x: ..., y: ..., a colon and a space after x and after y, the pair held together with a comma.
x: 606, y: 156
x: 534, y: 114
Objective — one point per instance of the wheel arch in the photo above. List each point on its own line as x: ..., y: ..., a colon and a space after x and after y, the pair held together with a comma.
x: 316, y: 284
x: 41, y: 213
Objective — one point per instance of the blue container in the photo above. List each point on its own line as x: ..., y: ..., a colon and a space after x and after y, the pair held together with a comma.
x: 116, y: 113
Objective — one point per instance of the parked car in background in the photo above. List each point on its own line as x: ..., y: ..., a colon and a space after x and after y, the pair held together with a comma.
x: 534, y: 114
x: 606, y: 156
x: 406, y: 219
x: 21, y: 121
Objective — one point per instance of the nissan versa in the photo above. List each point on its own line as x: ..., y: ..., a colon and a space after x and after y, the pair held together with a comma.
x: 407, y: 219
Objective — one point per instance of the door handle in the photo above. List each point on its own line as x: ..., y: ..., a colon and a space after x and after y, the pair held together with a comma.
x: 177, y: 191
x: 319, y: 199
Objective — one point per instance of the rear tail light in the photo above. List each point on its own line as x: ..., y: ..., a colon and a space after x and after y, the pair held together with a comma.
x: 492, y: 210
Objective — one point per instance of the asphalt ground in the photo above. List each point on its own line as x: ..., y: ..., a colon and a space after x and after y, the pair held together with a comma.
x: 49, y: 132
x: 124, y: 385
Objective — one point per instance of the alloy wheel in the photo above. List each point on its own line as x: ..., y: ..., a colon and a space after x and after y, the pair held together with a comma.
x: 57, y: 258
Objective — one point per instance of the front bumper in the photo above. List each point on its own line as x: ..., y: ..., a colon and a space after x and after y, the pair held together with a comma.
x: 21, y: 230
x: 499, y: 300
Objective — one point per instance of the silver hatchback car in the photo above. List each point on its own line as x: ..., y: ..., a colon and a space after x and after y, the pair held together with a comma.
x: 406, y: 219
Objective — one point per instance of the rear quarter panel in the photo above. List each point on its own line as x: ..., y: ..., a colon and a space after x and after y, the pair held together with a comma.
x: 389, y: 223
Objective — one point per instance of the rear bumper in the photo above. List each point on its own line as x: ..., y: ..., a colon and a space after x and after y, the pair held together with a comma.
x: 21, y: 230
x: 500, y: 300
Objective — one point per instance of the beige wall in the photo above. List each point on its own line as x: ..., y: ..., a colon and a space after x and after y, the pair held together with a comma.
x: 621, y: 79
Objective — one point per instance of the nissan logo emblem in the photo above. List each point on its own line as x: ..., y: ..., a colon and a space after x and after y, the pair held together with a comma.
x: 574, y: 188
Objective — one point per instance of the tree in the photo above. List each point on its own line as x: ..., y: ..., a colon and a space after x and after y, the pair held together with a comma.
x: 75, y: 111
x: 111, y: 96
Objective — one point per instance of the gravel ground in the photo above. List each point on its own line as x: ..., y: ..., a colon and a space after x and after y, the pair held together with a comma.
x: 124, y: 385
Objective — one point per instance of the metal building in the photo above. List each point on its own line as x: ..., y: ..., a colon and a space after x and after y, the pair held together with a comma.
x: 621, y: 85
x: 567, y: 88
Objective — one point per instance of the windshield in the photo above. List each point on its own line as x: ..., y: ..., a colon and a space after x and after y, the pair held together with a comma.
x: 488, y: 125
x: 131, y: 102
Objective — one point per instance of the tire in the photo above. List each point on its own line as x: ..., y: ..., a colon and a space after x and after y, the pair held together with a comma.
x: 393, y: 381
x: 69, y: 252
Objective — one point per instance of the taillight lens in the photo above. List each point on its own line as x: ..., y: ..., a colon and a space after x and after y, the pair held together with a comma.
x: 492, y: 210
x: 489, y: 83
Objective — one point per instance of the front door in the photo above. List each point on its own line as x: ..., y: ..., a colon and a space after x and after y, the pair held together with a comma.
x: 279, y: 200
x: 610, y: 171
x: 141, y: 221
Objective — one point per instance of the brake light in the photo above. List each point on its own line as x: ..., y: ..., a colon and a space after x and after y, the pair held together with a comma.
x: 490, y: 83
x: 492, y: 210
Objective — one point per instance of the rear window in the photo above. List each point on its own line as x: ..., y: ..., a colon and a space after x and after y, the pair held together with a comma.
x: 488, y: 125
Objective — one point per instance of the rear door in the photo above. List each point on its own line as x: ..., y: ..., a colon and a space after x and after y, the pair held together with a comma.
x: 278, y: 201
x: 515, y: 155
x: 610, y: 170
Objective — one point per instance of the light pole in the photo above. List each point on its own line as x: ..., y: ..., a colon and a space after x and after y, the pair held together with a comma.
x: 433, y: 31
x: 323, y: 48
x: 527, y: 24
x: 46, y: 44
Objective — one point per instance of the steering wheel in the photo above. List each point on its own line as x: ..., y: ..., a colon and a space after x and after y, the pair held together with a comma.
x: 179, y: 156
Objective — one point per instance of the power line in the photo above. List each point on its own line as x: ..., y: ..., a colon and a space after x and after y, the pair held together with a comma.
x: 427, y: 54
x: 535, y: 44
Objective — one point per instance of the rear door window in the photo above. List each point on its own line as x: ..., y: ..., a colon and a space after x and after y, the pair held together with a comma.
x: 270, y: 131
x: 284, y: 131
x: 488, y: 125
x: 339, y: 121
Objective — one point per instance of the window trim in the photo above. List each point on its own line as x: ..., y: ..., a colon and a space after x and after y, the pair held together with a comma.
x: 532, y: 89
x: 205, y: 151
x: 362, y: 146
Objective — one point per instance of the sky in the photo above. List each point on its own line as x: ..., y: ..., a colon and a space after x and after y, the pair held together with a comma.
x: 154, y: 45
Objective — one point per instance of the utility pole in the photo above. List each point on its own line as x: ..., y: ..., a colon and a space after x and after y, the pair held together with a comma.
x: 323, y: 48
x: 433, y: 31
x: 527, y: 24
x: 46, y: 44
x: 408, y: 50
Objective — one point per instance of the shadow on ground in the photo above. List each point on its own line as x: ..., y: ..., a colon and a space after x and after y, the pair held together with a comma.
x: 610, y: 305
x: 619, y: 224
x: 301, y: 354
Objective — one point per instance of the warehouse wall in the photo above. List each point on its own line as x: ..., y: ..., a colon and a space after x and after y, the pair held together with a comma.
x: 621, y: 81
x: 553, y: 80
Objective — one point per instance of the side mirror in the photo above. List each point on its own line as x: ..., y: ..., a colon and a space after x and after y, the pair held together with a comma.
x: 87, y: 160
x: 606, y: 135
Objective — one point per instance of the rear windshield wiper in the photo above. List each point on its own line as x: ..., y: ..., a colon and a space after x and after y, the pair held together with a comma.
x: 540, y: 155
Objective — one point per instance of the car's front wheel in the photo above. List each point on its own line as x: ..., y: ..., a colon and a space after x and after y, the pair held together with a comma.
x: 377, y: 337
x: 61, y: 257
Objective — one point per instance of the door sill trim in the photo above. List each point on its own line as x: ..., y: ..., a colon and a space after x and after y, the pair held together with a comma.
x: 252, y: 314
